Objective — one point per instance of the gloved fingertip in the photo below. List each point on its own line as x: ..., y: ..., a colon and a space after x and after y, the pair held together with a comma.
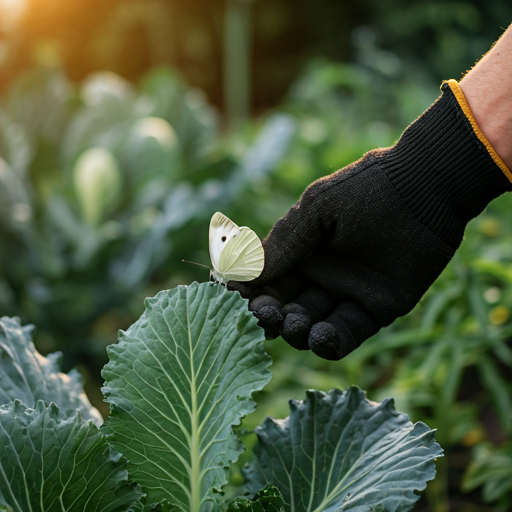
x: 295, y: 331
x: 270, y: 319
x: 326, y: 342
x: 269, y: 314
x: 264, y: 301
x: 268, y: 311
x: 296, y: 326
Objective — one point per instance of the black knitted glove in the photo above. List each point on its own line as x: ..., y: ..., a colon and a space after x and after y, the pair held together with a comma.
x: 362, y: 246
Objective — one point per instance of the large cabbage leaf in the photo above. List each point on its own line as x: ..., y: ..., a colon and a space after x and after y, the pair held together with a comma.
x: 177, y: 381
x: 339, y: 452
x: 28, y: 376
x: 51, y: 462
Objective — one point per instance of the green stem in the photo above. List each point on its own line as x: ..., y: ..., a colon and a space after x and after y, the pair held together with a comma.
x: 195, y: 457
x: 237, y: 61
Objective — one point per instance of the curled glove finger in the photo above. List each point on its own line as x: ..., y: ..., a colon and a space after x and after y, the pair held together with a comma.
x: 342, y: 332
x: 296, y: 326
x: 267, y: 310
x: 266, y: 301
x: 309, y: 307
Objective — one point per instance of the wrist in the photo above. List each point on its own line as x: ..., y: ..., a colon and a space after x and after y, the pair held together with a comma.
x: 487, y: 132
x: 443, y: 171
x: 488, y: 91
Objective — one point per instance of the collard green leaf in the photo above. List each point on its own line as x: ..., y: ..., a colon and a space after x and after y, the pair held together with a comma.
x: 266, y: 500
x: 177, y: 381
x: 28, y: 376
x: 338, y: 451
x: 51, y: 463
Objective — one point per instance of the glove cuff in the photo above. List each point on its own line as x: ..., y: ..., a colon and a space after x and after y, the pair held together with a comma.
x: 444, y: 168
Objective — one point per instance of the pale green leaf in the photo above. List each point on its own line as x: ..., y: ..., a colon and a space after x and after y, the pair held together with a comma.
x: 53, y: 463
x: 97, y: 182
x: 177, y: 381
x: 28, y: 376
x: 338, y: 451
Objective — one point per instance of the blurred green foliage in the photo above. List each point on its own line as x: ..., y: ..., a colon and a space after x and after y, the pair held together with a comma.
x: 492, y: 468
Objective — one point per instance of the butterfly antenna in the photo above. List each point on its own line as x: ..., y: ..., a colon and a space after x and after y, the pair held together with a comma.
x: 198, y: 264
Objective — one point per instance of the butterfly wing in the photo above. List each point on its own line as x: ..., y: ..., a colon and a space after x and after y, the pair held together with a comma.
x: 242, y: 258
x: 222, y: 230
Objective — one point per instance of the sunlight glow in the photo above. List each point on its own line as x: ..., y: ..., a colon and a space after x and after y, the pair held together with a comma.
x: 10, y: 12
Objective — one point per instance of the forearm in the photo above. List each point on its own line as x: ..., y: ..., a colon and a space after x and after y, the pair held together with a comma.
x: 488, y: 91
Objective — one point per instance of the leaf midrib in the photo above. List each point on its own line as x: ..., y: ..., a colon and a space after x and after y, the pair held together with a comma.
x: 195, y: 456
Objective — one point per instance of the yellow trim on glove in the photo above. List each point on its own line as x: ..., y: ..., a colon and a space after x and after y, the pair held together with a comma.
x: 461, y: 99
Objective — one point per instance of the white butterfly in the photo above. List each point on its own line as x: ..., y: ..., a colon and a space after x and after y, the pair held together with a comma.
x: 236, y: 253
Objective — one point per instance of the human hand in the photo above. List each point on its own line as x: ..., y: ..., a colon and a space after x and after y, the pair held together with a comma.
x: 362, y: 246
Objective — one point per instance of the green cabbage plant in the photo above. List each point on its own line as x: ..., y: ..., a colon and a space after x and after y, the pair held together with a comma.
x: 179, y: 381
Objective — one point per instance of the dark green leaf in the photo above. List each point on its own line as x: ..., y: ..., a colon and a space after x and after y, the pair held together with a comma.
x: 177, y: 381
x: 28, y: 376
x: 266, y: 500
x: 50, y: 462
x: 338, y: 451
